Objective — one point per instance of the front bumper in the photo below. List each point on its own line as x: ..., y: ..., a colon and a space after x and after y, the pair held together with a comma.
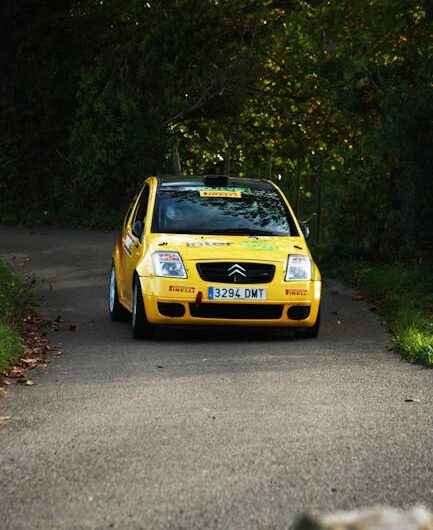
x: 173, y: 301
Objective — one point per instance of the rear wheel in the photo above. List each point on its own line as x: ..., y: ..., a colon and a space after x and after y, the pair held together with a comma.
x: 115, y: 308
x: 310, y: 333
x: 141, y: 328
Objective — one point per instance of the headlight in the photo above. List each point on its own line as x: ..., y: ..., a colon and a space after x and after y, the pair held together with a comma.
x: 298, y: 268
x: 168, y: 264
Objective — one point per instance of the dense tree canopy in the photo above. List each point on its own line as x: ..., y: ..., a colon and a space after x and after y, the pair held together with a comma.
x: 334, y: 100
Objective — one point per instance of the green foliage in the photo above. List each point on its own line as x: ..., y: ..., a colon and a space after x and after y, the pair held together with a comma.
x: 104, y: 147
x: 38, y: 54
x: 332, y: 100
x: 414, y: 336
x: 404, y: 295
x: 156, y: 65
x: 11, y: 346
x: 15, y: 301
x: 376, y: 64
x: 15, y: 297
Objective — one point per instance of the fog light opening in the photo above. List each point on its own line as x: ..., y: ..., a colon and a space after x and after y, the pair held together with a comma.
x: 298, y: 312
x: 171, y: 309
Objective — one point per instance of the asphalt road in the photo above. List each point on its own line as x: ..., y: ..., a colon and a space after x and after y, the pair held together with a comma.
x: 210, y: 428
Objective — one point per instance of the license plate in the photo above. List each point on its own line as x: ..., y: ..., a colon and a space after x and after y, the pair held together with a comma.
x: 237, y: 293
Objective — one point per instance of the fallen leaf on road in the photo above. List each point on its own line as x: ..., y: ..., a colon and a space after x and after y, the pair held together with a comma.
x: 412, y: 400
x: 4, y: 419
x: 378, y: 304
x: 160, y: 366
x: 56, y: 324
x: 72, y: 327
x: 16, y: 372
x: 29, y: 361
x: 36, y: 353
x: 27, y: 382
x: 358, y: 297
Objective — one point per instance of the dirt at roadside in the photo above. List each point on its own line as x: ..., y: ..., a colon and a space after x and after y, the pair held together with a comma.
x: 36, y: 354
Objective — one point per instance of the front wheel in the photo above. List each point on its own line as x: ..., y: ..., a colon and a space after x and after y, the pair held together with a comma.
x: 141, y: 328
x: 115, y: 308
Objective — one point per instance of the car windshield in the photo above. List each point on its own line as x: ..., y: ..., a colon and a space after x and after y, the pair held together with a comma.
x: 219, y: 211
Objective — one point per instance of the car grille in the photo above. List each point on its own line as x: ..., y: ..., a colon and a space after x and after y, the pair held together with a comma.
x: 237, y: 311
x: 236, y: 272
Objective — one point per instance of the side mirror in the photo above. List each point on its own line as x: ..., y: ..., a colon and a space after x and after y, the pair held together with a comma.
x: 137, y: 229
x: 305, y: 230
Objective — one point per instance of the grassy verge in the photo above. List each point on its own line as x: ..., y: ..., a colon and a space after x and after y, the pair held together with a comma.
x: 15, y: 302
x: 403, y: 294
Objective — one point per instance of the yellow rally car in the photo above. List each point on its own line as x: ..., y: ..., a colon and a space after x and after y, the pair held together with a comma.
x: 213, y: 250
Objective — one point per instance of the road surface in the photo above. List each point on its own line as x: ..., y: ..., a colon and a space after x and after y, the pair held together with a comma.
x: 203, y: 428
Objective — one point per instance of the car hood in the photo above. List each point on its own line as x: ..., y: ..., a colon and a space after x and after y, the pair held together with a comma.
x: 229, y: 248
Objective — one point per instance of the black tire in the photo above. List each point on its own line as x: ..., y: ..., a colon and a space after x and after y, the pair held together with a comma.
x: 115, y: 309
x: 141, y: 328
x: 310, y: 333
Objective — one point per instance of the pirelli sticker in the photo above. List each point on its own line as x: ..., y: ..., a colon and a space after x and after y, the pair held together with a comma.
x: 296, y: 292
x: 181, y: 289
x: 221, y: 193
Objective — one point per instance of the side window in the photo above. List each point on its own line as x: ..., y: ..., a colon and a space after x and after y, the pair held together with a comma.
x: 128, y: 213
x: 140, y: 212
x: 128, y: 216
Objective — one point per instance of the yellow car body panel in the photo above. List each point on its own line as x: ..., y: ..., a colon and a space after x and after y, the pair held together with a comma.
x: 133, y: 257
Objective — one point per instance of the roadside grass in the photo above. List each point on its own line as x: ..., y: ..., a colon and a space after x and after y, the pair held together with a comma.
x: 403, y: 294
x: 15, y: 302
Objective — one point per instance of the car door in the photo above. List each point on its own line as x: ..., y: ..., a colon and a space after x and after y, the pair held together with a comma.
x: 134, y: 242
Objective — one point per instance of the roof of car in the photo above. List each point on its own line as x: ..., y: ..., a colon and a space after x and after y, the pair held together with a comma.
x: 213, y: 180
